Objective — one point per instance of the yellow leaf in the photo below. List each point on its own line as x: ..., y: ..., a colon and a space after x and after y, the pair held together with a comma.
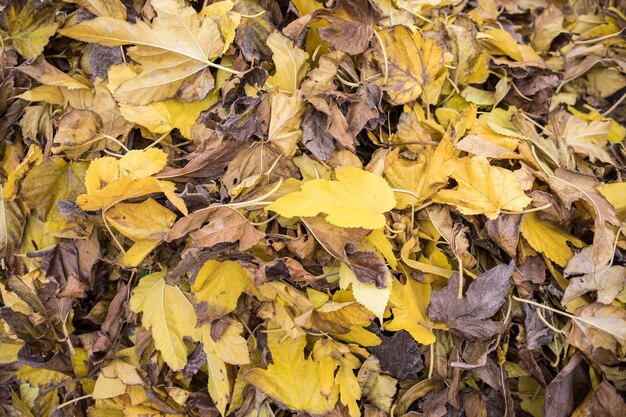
x: 33, y: 158
x: 424, y: 176
x: 285, y: 121
x: 146, y: 223
x: 219, y: 285
x: 548, y: 239
x: 49, y: 182
x: 356, y: 199
x: 8, y: 351
x: 412, y: 63
x: 231, y: 347
x: 163, y: 116
x: 291, y: 379
x: 142, y: 163
x: 48, y: 93
x: 50, y: 75
x: 408, y: 304
x: 219, y: 386
x: 228, y: 21
x: 147, y: 220
x: 113, y: 8
x: 117, y: 191
x: 483, y: 189
x: 183, y: 42
x: 168, y: 314
x: 373, y: 298
x: 101, y: 171
x: 290, y: 62
x: 107, y: 388
x: 615, y: 193
x: 501, y: 42
x: 29, y: 26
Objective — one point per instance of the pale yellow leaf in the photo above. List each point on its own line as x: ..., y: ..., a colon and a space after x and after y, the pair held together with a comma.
x: 290, y: 63
x: 483, y: 189
x: 168, y: 314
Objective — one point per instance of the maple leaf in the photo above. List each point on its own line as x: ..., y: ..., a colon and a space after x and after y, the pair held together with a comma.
x: 110, y: 181
x: 184, y: 42
x: 356, y: 199
x: 548, y: 239
x: 483, y: 189
x: 168, y: 314
x: 423, y: 177
x: 27, y: 26
x: 410, y: 63
x: 293, y: 380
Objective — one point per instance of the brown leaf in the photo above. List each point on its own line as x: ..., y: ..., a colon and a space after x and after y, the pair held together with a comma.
x: 568, y: 388
x: 351, y: 25
x: 469, y: 316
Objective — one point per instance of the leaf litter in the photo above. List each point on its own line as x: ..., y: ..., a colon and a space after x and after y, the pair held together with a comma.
x: 356, y: 207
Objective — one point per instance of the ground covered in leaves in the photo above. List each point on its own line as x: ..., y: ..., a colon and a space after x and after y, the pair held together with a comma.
x: 273, y: 208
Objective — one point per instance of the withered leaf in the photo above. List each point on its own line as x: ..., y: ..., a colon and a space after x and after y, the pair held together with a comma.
x: 470, y: 316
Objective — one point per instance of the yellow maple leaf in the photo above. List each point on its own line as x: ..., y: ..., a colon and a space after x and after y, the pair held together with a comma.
x: 292, y: 380
x: 408, y: 304
x: 423, y: 177
x: 411, y: 63
x: 356, y: 199
x: 168, y: 314
x: 615, y: 193
x: 109, y: 181
x: 548, y: 239
x: 219, y: 285
x: 483, y: 189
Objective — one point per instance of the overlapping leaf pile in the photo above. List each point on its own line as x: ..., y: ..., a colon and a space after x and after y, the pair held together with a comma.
x: 363, y: 207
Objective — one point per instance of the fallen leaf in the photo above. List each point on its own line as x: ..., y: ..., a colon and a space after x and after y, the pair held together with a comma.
x: 341, y: 199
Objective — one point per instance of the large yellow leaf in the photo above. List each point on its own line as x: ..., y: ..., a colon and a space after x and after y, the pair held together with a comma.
x: 483, y: 189
x: 412, y: 62
x: 408, y: 304
x: 219, y: 285
x: 168, y: 314
x: 356, y: 199
x: 290, y: 61
x: 292, y: 380
x: 548, y: 239
x: 424, y: 176
x: 176, y: 46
